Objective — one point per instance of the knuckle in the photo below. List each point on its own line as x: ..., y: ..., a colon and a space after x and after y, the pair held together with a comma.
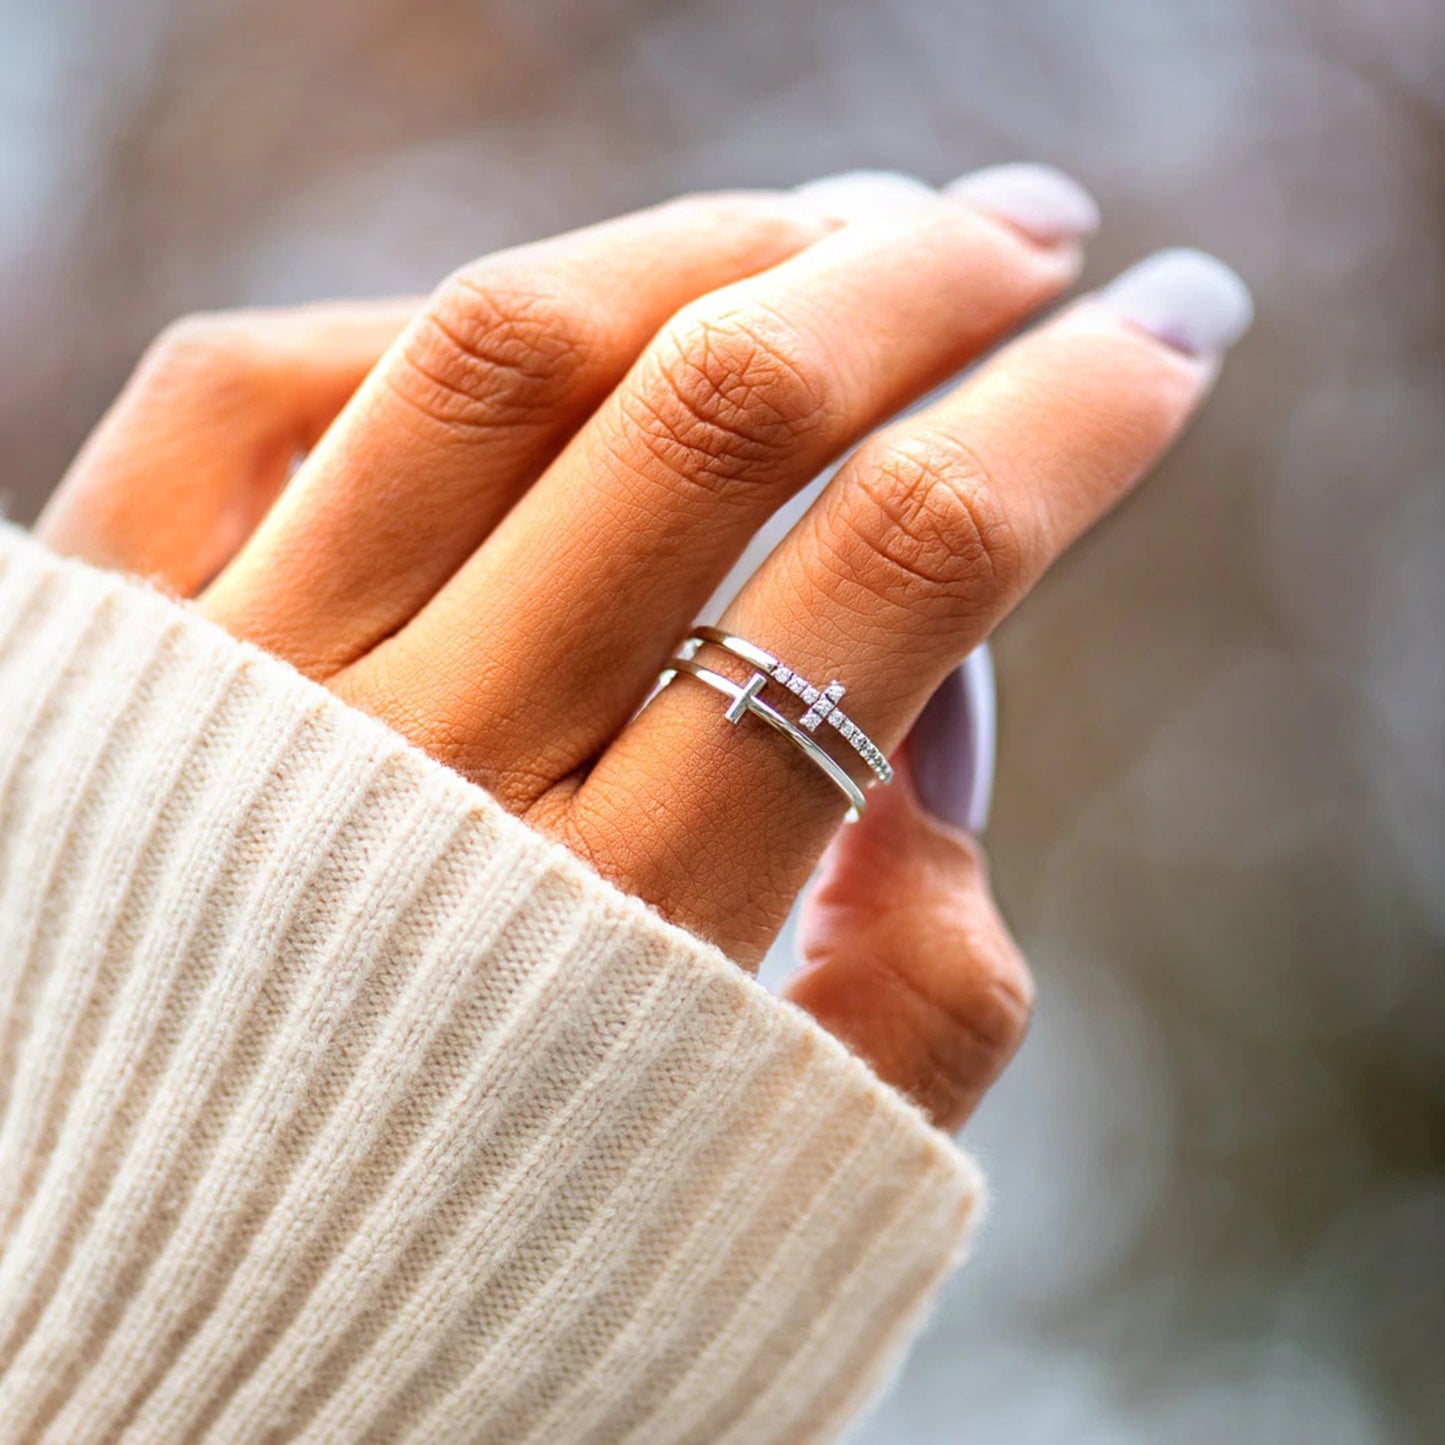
x: 990, y: 1018
x: 929, y: 512
x: 954, y: 1028
x: 971, y: 1028
x: 492, y: 349
x: 728, y: 396
x: 211, y: 349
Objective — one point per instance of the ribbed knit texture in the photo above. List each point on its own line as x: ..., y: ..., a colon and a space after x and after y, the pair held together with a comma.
x: 336, y: 1104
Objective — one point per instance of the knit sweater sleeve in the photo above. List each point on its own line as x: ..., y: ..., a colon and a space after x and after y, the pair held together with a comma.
x: 337, y: 1104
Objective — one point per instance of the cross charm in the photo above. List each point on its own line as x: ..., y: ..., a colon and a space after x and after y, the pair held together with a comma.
x: 821, y: 710
x: 737, y: 709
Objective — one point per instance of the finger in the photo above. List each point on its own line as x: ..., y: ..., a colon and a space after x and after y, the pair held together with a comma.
x: 184, y: 465
x: 557, y: 627
x: 916, y: 550
x: 502, y: 365
x: 906, y: 958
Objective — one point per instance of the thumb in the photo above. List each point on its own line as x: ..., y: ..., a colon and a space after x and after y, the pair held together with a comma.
x: 906, y: 958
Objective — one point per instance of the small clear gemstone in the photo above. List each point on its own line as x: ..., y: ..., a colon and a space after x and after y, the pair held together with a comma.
x: 781, y: 673
x: 847, y: 731
x: 811, y: 721
x: 810, y: 695
x: 796, y: 684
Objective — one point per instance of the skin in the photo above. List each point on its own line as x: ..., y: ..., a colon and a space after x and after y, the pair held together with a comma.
x: 517, y: 495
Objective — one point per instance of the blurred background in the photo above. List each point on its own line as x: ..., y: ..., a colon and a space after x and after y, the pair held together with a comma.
x: 1219, y: 1164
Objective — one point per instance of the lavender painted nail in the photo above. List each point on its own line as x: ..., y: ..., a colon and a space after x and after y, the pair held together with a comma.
x: 1041, y: 201
x: 1187, y: 299
x: 952, y: 751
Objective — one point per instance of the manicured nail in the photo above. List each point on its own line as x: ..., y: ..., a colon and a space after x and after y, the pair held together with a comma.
x: 952, y: 748
x: 1042, y: 202
x: 864, y: 195
x: 1187, y: 299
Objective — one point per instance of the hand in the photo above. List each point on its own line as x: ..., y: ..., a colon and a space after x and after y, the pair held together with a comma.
x: 500, y: 539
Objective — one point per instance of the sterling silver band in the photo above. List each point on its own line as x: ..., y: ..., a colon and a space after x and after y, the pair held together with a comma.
x: 822, y: 705
x: 822, y: 702
x: 744, y: 700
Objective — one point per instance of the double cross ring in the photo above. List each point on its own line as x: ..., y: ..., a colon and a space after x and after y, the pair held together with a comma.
x: 821, y: 703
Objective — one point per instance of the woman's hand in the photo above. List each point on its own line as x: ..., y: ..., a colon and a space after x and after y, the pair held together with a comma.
x: 500, y: 539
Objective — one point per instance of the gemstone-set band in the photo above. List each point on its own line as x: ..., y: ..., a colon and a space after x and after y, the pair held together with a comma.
x: 821, y: 704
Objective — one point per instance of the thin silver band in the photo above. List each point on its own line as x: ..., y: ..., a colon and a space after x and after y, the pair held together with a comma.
x: 822, y: 701
x: 744, y: 699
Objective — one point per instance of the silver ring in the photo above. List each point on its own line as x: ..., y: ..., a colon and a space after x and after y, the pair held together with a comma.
x: 822, y: 702
x: 822, y: 705
x: 744, y: 700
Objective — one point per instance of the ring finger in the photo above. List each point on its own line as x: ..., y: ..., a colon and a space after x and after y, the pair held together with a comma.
x: 916, y: 550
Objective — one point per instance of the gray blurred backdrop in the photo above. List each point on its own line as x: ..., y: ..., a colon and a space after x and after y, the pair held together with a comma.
x: 1220, y: 821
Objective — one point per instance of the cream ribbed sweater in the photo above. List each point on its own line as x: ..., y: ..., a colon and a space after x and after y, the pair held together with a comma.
x: 336, y: 1104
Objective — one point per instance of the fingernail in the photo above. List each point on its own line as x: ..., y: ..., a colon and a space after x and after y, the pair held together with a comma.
x: 863, y: 195
x: 1041, y: 201
x: 1187, y: 299
x: 952, y: 748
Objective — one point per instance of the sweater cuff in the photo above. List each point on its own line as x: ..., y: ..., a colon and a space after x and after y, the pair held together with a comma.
x: 336, y: 1102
